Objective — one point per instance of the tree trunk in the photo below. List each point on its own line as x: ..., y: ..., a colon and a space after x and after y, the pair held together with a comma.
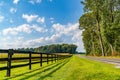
x: 93, y: 47
x: 101, y: 44
x: 112, y: 50
x: 99, y: 35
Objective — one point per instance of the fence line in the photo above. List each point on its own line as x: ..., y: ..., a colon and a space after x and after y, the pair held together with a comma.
x: 50, y: 57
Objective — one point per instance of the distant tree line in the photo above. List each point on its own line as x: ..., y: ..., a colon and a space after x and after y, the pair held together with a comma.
x: 54, y: 48
x: 101, y: 27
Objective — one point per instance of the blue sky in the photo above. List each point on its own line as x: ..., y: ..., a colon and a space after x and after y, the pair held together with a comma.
x: 33, y: 23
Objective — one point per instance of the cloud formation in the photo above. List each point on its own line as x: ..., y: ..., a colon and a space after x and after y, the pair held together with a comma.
x: 29, y: 18
x: 25, y: 28
x: 13, y: 10
x: 69, y: 33
x: 15, y: 1
x: 70, y: 30
x: 41, y: 20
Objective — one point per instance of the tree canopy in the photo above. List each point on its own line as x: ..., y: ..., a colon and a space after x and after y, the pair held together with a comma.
x: 54, y: 48
x: 101, y: 25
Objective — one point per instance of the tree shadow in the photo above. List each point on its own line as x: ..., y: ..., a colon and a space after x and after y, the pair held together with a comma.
x: 48, y: 67
x: 51, y: 72
x: 27, y: 72
x: 45, y: 70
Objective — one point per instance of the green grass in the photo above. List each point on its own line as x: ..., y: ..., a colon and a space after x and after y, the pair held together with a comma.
x: 83, y: 69
x: 37, y: 72
x: 74, y: 69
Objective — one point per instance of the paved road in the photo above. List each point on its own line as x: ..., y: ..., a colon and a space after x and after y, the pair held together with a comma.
x: 114, y: 61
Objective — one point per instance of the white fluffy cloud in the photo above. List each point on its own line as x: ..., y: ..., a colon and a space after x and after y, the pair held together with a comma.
x: 29, y: 18
x: 65, y: 29
x: 39, y: 29
x: 13, y: 10
x: 26, y: 28
x: 1, y: 18
x: 70, y: 30
x: 69, y: 33
x: 12, y: 42
x: 41, y: 20
x: 15, y: 1
x: 55, y: 38
x: 16, y: 30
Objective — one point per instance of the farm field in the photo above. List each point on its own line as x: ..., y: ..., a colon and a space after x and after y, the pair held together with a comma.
x: 75, y: 68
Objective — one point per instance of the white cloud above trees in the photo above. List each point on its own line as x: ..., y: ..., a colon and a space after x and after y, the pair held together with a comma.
x: 25, y: 28
x: 59, y: 35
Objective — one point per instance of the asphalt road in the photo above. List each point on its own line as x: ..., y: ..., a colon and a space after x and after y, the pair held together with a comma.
x: 114, y: 61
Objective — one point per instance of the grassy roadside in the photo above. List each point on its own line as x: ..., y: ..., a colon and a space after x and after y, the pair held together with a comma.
x: 82, y: 69
x: 76, y: 69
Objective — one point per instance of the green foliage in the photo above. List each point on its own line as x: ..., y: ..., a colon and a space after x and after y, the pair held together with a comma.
x: 101, y: 25
x: 54, y: 48
x: 57, y: 48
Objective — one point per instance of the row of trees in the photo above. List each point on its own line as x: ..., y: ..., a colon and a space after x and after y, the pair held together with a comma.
x: 54, y: 48
x: 101, y: 27
x: 57, y: 48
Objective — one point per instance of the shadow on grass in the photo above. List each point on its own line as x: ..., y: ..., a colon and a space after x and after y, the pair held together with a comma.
x: 48, y: 67
x: 51, y: 72
x: 27, y: 72
x: 59, y: 65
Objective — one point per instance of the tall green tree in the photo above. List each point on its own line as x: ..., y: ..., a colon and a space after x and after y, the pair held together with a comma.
x: 101, y: 21
x: 111, y: 23
x: 95, y: 8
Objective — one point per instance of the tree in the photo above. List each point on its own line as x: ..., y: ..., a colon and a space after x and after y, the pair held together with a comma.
x: 57, y: 48
x: 94, y: 7
x: 101, y: 22
x: 111, y: 22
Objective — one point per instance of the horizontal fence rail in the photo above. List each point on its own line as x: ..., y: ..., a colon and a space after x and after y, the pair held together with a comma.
x: 42, y: 57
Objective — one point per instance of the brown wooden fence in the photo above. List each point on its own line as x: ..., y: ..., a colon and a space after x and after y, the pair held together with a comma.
x: 42, y: 57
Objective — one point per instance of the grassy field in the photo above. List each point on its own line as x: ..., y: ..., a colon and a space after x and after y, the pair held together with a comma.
x: 83, y: 69
x: 74, y: 69
x: 37, y: 72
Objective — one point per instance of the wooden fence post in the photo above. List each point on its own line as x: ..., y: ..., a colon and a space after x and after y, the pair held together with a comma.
x: 10, y: 53
x: 47, y: 59
x: 52, y: 57
x: 29, y: 61
x: 41, y: 59
x: 55, y: 57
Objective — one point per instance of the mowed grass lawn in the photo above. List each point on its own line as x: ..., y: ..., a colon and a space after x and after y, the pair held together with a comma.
x: 75, y: 68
